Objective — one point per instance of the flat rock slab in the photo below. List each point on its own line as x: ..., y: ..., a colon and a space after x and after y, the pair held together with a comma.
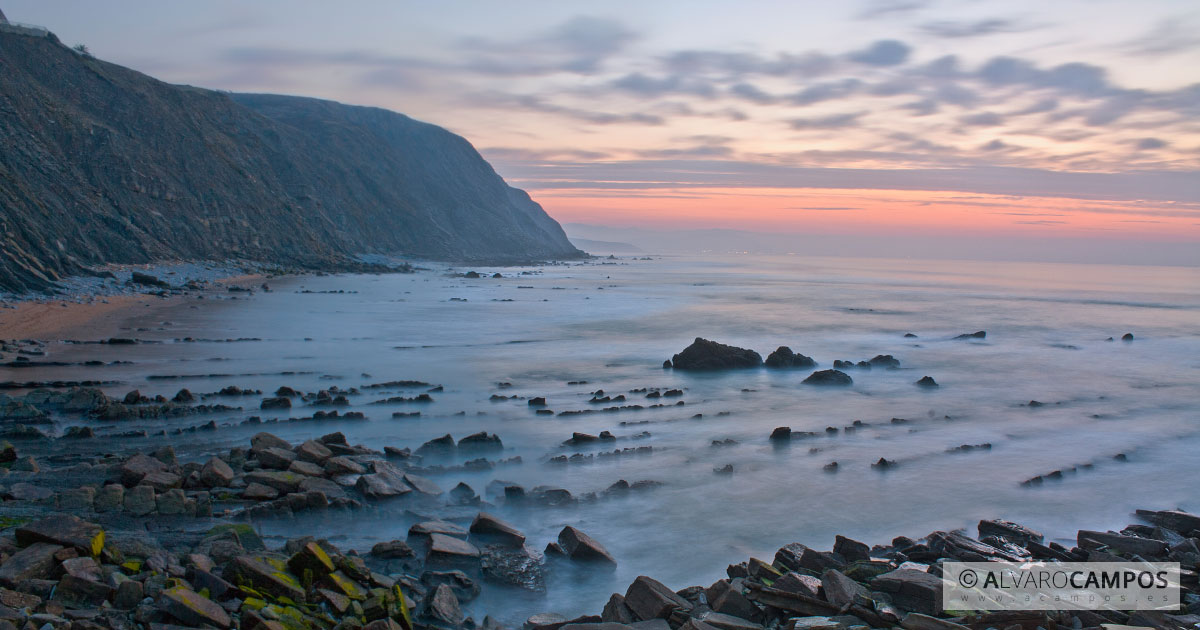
x: 281, y: 480
x: 915, y: 591
x: 422, y: 485
x: 264, y: 577
x: 1129, y: 544
x: 35, y: 562
x: 650, y: 599
x: 192, y: 608
x: 448, y: 548
x: 491, y: 525
x: 446, y: 528
x: 65, y: 530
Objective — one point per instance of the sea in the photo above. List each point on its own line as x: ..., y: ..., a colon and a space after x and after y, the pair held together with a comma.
x: 1119, y: 420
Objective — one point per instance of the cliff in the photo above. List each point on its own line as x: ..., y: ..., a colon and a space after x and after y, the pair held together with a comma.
x: 103, y: 164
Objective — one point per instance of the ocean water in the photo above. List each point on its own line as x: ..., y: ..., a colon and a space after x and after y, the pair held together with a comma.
x: 613, y: 324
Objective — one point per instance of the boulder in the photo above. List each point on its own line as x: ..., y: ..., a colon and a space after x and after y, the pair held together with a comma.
x: 444, y: 444
x: 851, y: 549
x: 258, y: 492
x: 277, y: 402
x: 449, y: 550
x: 482, y: 441
x: 1008, y: 530
x: 275, y: 458
x: 132, y: 470
x: 650, y: 599
x: 783, y: 357
x: 267, y: 440
x: 1146, y: 547
x: 77, y: 592
x: 915, y: 591
x: 781, y: 434
x: 35, y: 562
x: 710, y: 355
x: 192, y: 608
x: 341, y: 465
x: 139, y: 500
x: 264, y: 577
x: 829, y: 377
x: 979, y: 334
x: 926, y: 381
x: 64, y: 530
x: 216, y: 473
x: 442, y: 608
x: 841, y: 590
x: 161, y: 480
x: 422, y: 485
x: 382, y: 485
x: 489, y: 525
x: 314, y: 452
x: 579, y: 546
x: 281, y: 480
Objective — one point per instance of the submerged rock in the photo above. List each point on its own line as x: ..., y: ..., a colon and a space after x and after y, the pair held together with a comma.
x: 710, y: 355
x: 829, y: 377
x: 926, y: 381
x: 979, y: 334
x: 783, y: 357
x: 579, y: 546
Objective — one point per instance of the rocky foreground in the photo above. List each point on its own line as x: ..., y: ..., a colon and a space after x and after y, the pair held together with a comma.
x: 121, y: 568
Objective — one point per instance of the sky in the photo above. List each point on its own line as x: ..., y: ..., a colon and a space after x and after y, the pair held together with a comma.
x: 1076, y: 120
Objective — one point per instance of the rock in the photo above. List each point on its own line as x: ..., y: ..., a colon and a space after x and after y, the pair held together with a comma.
x: 311, y: 558
x: 538, y: 401
x: 781, y: 434
x: 616, y: 611
x: 313, y: 452
x: 216, y: 473
x: 841, y: 590
x: 129, y: 594
x: 733, y: 602
x: 183, y: 396
x: 193, y: 609
x: 783, y: 357
x: 649, y: 599
x: 545, y: 621
x: 258, y: 492
x: 926, y: 381
x: 800, y: 584
x: 581, y: 547
x: 850, y: 549
x: 482, y: 441
x: 282, y: 481
x: 884, y: 360
x: 917, y: 621
x: 382, y: 485
x: 307, y: 469
x: 710, y: 355
x: 1145, y: 547
x: 25, y: 464
x: 916, y: 591
x: 275, y: 458
x: 266, y: 578
x: 445, y: 549
x: 829, y: 377
x: 132, y: 470
x: 1176, y: 520
x: 422, y: 485
x: 814, y: 623
x: 1127, y: 337
x: 139, y: 500
x: 392, y: 550
x: 161, y: 480
x: 76, y: 592
x: 109, y: 498
x: 64, y: 530
x: 1009, y: 531
x: 35, y: 562
x: 8, y: 453
x: 278, y: 402
x: 492, y: 526
x: 721, y: 621
x: 425, y: 528
x: 77, y: 499
x: 979, y: 334
x: 266, y: 440
x: 172, y: 503
x: 442, y: 607
x: 444, y: 444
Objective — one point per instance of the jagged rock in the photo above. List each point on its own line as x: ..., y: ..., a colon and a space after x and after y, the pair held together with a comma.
x: 216, y: 473
x: 649, y: 599
x: 979, y: 334
x: 783, y: 357
x: 799, y: 584
x: 581, y: 547
x: 314, y: 452
x: 266, y: 578
x: 444, y: 444
x: 710, y: 355
x: 442, y: 607
x: 482, y: 441
x: 829, y: 377
x: 132, y: 470
x: 916, y: 591
x: 489, y: 525
x: 193, y: 609
x: 65, y: 530
x: 851, y: 549
x: 781, y: 434
x: 841, y: 590
x: 616, y: 611
x: 1145, y: 547
x: 1008, y: 530
x: 35, y: 562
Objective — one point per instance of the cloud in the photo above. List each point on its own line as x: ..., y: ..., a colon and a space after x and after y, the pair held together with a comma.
x: 744, y: 65
x: 877, y: 9
x: 1168, y: 37
x: 529, y: 102
x: 580, y: 45
x: 995, y: 145
x: 1148, y: 144
x: 954, y: 30
x: 885, y: 52
x: 825, y: 91
x: 833, y: 121
x: 982, y: 119
x: 751, y: 93
x: 646, y: 86
x: 1040, y: 107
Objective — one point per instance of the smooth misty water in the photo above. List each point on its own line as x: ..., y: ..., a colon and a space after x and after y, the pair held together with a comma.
x: 612, y: 325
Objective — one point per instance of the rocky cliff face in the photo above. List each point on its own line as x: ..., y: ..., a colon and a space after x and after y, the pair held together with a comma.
x: 104, y: 164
